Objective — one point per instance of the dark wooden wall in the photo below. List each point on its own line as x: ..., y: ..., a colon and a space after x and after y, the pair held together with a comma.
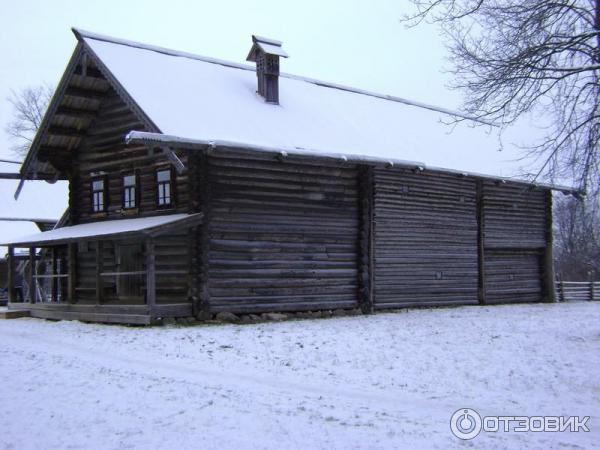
x: 425, y: 241
x: 281, y: 236
x: 103, y: 150
x: 514, y: 229
x: 441, y: 238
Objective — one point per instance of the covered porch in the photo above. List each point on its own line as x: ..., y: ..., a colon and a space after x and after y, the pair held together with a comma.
x: 101, y: 272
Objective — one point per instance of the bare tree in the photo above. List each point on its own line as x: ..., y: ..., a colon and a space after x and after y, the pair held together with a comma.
x: 577, y: 239
x: 512, y: 57
x: 29, y: 105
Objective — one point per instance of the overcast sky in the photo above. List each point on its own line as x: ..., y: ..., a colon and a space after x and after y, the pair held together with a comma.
x: 357, y: 43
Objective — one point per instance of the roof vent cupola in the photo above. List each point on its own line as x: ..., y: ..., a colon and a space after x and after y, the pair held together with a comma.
x: 265, y: 53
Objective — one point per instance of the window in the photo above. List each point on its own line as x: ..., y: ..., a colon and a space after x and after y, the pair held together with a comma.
x: 129, y: 191
x: 98, y: 196
x: 165, y: 193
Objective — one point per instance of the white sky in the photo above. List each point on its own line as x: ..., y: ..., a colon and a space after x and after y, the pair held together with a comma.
x: 350, y: 42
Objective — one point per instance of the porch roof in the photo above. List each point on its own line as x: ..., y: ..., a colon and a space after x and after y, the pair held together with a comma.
x: 109, y: 229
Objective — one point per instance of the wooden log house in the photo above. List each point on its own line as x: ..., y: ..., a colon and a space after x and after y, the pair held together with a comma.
x: 199, y: 186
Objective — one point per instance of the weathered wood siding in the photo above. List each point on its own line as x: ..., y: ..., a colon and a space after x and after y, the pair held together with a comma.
x: 282, y: 235
x: 514, y: 230
x: 513, y: 276
x: 103, y: 150
x: 173, y: 278
x: 425, y: 241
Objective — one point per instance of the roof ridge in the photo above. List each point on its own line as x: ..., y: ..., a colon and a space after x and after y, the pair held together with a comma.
x: 80, y: 34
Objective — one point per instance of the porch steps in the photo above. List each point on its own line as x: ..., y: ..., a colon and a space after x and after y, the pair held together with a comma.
x: 13, y: 313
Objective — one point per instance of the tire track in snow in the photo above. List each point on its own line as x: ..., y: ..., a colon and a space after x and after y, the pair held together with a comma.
x: 398, y: 404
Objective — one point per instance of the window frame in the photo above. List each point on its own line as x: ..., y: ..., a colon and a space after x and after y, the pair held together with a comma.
x: 103, y: 190
x: 171, y: 183
x: 136, y: 190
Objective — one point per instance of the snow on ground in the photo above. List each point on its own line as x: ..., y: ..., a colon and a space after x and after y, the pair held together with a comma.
x: 384, y: 381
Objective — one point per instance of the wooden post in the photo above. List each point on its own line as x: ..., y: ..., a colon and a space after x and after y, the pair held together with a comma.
x: 31, y: 274
x: 548, y: 286
x: 201, y: 308
x: 72, y: 261
x: 479, y: 204
x: 560, y: 291
x: 365, y: 255
x: 54, y: 287
x: 11, y: 275
x: 99, y: 284
x: 150, y: 275
x: 195, y: 206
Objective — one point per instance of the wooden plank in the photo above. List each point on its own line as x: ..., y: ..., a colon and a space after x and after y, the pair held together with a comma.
x: 202, y: 307
x: 66, y: 131
x: 92, y: 317
x: 11, y: 275
x: 150, y: 275
x: 548, y: 256
x: 72, y: 269
x: 84, y: 93
x: 99, y: 263
x: 76, y: 112
x: 14, y: 314
x: 51, y: 276
x: 173, y: 310
x: 54, y: 276
x: 117, y: 274
x: 31, y: 275
x: 365, y: 261
x: 480, y: 242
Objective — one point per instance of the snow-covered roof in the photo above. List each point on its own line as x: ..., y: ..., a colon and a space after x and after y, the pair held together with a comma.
x: 105, y: 229
x: 39, y: 199
x: 199, y: 98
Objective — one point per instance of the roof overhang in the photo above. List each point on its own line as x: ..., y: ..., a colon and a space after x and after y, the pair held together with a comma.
x: 158, y: 139
x: 143, y: 227
x: 58, y: 134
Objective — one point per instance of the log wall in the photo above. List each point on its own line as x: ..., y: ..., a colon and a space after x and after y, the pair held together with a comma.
x: 103, y: 151
x: 515, y: 236
x: 441, y: 238
x: 425, y: 239
x: 282, y: 235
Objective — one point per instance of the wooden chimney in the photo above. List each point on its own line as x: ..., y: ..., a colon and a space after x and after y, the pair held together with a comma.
x: 265, y: 53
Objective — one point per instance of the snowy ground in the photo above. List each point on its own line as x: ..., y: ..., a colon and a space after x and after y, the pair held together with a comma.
x: 384, y: 381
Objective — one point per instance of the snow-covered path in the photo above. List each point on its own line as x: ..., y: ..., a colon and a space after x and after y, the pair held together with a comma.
x: 384, y: 381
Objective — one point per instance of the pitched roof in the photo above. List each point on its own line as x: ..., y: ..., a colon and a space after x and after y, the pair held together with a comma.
x: 196, y: 98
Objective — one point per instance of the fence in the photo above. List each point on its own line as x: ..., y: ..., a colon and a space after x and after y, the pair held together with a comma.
x: 568, y: 291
